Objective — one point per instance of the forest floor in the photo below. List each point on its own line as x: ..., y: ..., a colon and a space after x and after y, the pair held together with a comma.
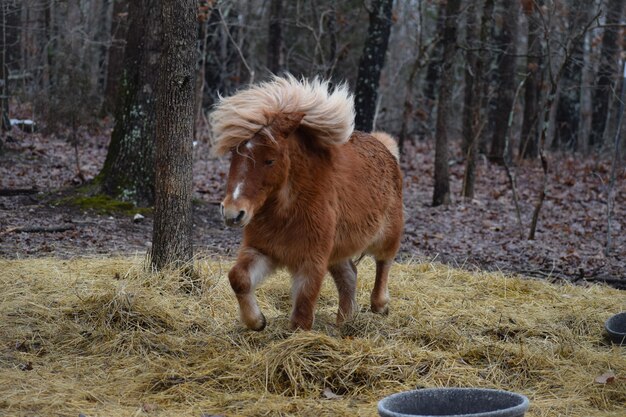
x: 482, y: 233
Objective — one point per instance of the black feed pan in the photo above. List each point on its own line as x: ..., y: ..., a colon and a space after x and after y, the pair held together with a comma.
x: 616, y: 328
x: 458, y: 402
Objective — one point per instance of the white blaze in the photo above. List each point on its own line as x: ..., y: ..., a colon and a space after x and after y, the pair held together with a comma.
x: 237, y: 191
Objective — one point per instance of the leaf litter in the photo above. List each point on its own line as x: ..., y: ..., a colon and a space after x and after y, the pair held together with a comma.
x: 481, y: 234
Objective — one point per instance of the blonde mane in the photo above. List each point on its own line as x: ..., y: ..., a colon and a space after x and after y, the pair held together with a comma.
x: 329, y: 115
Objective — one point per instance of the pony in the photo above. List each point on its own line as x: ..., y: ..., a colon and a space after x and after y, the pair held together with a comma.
x: 310, y: 193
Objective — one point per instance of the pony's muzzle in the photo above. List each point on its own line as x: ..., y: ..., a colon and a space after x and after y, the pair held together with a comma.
x: 232, y: 216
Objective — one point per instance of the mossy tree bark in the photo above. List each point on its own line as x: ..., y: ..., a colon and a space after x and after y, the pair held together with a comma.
x: 441, y: 193
x: 371, y: 64
x: 128, y: 171
x: 172, y: 239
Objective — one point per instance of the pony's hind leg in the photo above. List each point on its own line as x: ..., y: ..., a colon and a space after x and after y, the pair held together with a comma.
x: 249, y: 270
x: 344, y: 274
x: 380, y: 293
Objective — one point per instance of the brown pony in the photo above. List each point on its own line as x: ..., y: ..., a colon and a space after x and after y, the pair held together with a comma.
x: 310, y: 193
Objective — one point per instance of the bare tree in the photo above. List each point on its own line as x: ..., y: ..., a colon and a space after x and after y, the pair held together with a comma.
x: 433, y: 72
x: 471, y: 52
x: 553, y: 78
x: 567, y: 123
x: 608, y: 71
x: 172, y: 234
x: 4, y: 69
x: 423, y: 51
x: 506, y: 39
x: 10, y: 11
x: 441, y: 192
x: 115, y: 62
x: 371, y: 64
x: 528, y: 146
x: 475, y: 103
x: 275, y: 53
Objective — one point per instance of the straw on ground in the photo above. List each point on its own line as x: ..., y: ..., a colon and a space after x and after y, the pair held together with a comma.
x: 103, y: 338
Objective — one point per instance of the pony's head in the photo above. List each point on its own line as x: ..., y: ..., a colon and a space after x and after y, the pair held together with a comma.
x: 255, y: 124
x: 259, y: 168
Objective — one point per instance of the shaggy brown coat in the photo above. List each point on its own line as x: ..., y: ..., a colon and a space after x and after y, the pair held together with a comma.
x: 309, y: 198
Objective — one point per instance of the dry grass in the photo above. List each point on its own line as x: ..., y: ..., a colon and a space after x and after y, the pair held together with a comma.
x: 102, y: 338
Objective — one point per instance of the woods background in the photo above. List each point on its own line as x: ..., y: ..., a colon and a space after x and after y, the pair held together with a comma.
x: 523, y: 85
x: 66, y: 58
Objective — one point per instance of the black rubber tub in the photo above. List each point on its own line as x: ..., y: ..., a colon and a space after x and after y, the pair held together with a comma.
x: 458, y: 402
x: 616, y: 328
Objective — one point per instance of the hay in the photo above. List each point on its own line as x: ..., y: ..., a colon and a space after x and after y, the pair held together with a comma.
x: 102, y: 338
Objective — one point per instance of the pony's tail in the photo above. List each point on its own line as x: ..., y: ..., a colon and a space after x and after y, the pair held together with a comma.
x: 389, y: 142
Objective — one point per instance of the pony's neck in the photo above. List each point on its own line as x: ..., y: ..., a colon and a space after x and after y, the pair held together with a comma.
x: 309, y: 173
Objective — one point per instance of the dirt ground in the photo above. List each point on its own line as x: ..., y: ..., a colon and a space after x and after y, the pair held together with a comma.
x: 479, y: 234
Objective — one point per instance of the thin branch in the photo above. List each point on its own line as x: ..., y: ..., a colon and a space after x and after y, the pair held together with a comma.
x: 554, y: 82
x: 38, y: 229
x: 230, y: 37
x: 10, y: 192
x: 509, y: 173
x: 610, y: 194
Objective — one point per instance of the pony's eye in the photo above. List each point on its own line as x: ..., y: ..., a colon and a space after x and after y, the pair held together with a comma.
x: 269, y: 162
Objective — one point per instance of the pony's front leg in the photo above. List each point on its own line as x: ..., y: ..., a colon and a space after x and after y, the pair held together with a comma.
x: 307, y: 282
x: 251, y: 268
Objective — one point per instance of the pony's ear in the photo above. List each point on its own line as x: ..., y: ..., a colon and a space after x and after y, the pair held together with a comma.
x: 286, y: 123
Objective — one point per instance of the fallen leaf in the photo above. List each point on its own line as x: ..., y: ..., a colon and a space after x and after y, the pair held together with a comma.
x: 606, y: 378
x: 329, y: 395
x: 26, y: 366
x: 147, y: 407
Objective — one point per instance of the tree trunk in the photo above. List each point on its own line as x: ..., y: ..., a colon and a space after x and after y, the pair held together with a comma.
x: 10, y: 16
x: 275, y: 55
x: 530, y: 126
x: 506, y: 38
x: 608, y: 72
x: 371, y: 64
x: 204, y: 13
x: 476, y: 102
x: 221, y: 57
x: 4, y: 71
x: 433, y: 72
x: 471, y: 62
x: 331, y: 29
x: 128, y: 171
x: 172, y: 237
x: 441, y: 193
x: 115, y: 65
x: 567, y: 122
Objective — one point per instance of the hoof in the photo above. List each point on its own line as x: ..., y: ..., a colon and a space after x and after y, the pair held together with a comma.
x: 342, y: 318
x: 300, y: 326
x: 258, y: 324
x: 384, y: 310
